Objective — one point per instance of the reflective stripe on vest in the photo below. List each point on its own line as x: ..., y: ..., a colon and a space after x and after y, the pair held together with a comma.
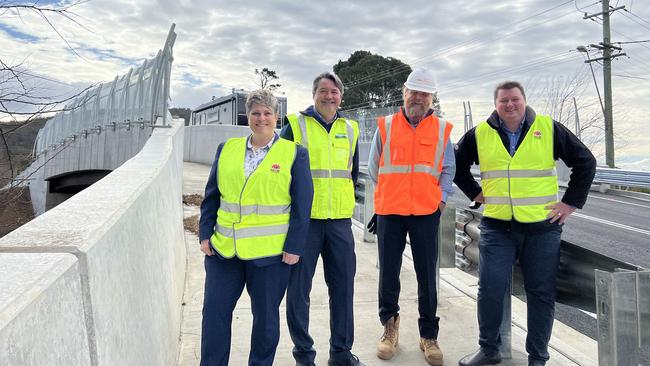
x: 522, y: 185
x: 253, y: 232
x: 253, y: 215
x: 526, y: 201
x: 389, y: 168
x: 331, y: 155
x: 254, y: 209
x: 518, y: 174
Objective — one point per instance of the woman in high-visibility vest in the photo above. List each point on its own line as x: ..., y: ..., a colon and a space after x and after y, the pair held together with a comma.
x: 254, y: 221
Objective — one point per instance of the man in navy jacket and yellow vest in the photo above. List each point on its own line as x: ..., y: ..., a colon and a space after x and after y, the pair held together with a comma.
x: 334, y: 161
x: 412, y: 166
x: 522, y: 218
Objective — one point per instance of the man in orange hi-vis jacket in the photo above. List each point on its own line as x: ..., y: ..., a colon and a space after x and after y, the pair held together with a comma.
x: 412, y: 165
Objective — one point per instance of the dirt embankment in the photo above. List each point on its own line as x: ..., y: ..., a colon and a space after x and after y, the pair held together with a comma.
x: 191, y: 223
x: 15, y: 209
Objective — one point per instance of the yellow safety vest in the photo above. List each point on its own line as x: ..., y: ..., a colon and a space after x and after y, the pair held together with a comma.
x: 253, y: 215
x: 521, y: 185
x: 330, y: 160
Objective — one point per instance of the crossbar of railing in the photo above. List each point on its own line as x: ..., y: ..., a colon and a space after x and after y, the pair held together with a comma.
x: 576, y: 278
x: 627, y: 178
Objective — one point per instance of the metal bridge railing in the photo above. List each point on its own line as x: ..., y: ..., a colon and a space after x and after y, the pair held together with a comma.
x: 141, y: 96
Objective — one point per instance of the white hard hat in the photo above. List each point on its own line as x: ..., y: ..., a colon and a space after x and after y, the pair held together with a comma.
x: 422, y: 80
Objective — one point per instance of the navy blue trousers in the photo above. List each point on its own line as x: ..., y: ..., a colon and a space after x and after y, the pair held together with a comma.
x: 539, y: 256
x: 423, y: 235
x: 224, y: 284
x: 333, y: 241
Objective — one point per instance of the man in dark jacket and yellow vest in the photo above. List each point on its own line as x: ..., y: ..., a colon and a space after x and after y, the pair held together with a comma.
x: 522, y: 217
x: 334, y: 161
x: 412, y: 166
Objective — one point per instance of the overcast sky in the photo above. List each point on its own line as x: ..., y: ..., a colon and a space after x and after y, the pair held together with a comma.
x: 470, y: 46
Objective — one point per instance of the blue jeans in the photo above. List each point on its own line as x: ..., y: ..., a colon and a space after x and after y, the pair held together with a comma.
x: 538, y: 252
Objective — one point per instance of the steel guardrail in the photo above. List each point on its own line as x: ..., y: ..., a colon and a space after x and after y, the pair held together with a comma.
x: 575, y: 279
x: 622, y: 177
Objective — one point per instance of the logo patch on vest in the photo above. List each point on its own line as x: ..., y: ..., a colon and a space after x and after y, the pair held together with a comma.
x: 340, y: 136
x: 537, y: 134
x: 275, y: 168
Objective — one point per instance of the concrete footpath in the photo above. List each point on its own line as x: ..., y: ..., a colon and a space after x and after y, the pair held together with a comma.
x: 456, y: 308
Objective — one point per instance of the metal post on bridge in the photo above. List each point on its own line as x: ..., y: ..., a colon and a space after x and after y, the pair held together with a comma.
x: 623, y: 308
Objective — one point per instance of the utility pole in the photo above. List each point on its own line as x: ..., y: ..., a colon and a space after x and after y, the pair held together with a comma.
x: 607, y: 48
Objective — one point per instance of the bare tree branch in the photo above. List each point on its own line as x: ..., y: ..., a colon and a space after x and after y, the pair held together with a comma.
x: 25, y: 96
x: 43, y: 12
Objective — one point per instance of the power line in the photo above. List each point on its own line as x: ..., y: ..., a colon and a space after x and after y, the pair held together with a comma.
x: 638, y: 63
x: 636, y: 16
x: 635, y: 21
x: 448, y: 50
x: 489, y: 76
x: 631, y: 77
x: 497, y: 75
x: 541, y: 62
x: 631, y: 42
x: 621, y: 34
x: 575, y: 3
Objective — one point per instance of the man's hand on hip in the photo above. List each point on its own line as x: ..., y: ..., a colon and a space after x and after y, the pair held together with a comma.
x: 559, y: 211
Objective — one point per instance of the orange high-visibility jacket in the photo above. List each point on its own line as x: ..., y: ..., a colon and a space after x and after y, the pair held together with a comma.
x: 410, y: 165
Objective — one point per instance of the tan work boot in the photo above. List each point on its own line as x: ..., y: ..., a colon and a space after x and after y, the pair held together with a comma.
x: 432, y: 353
x: 387, y: 346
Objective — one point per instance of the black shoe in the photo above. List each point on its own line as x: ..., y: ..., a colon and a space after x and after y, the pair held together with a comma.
x: 536, y: 363
x: 480, y: 358
x: 305, y: 363
x: 352, y: 361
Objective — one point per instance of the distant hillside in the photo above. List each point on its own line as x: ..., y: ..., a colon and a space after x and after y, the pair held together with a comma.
x: 19, y: 139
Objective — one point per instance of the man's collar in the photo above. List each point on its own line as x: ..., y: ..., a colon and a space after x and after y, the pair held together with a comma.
x: 521, y: 124
x: 312, y: 112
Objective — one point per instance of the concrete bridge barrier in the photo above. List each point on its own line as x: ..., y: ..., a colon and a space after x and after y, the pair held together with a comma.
x: 98, y: 280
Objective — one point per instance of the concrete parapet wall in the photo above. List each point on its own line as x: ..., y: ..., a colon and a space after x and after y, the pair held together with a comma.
x: 201, y: 141
x: 41, y: 310
x: 126, y: 232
